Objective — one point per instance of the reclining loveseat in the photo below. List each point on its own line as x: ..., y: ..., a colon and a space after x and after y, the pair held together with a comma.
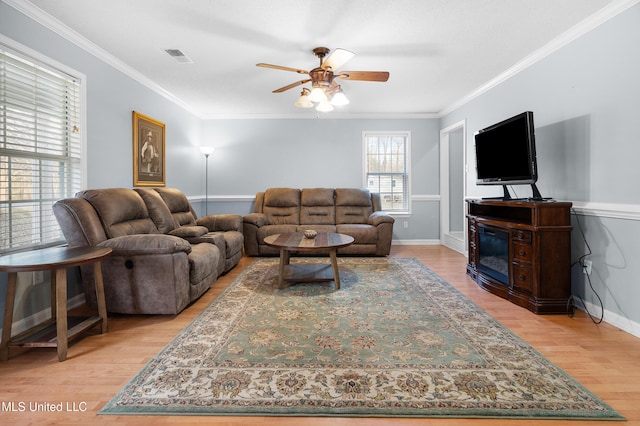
x: 351, y: 211
x: 163, y: 258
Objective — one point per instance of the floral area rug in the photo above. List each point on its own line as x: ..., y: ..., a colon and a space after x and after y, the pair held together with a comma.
x: 395, y: 340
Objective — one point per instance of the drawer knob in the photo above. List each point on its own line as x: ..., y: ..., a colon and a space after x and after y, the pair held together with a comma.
x: 522, y: 252
x: 522, y: 277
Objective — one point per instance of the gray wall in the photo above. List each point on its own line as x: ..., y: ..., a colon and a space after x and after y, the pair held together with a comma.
x: 252, y: 155
x: 586, y: 101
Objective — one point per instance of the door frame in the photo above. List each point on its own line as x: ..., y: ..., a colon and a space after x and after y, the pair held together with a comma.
x: 446, y: 239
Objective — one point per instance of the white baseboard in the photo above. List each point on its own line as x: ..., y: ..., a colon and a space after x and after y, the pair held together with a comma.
x: 415, y: 242
x: 624, y: 324
x: 45, y: 315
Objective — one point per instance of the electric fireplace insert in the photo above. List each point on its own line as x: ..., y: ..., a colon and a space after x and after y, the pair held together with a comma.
x: 493, y: 252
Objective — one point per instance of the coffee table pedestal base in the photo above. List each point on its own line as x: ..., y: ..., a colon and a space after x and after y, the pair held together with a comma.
x: 307, y: 272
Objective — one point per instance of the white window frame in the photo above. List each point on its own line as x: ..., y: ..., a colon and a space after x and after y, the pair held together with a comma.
x: 406, y: 134
x: 44, y: 228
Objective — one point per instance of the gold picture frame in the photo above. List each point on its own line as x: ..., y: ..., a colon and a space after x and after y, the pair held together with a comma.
x: 148, y: 151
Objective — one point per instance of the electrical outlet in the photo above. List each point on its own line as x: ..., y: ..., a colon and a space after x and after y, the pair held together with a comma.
x: 586, y: 267
x: 406, y: 224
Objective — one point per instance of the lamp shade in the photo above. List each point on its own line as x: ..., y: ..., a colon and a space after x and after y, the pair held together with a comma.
x: 339, y: 99
x: 317, y: 95
x: 324, y: 106
x: 303, y: 101
x: 206, y: 150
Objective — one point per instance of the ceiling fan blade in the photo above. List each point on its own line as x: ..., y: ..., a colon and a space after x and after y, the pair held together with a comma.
x: 278, y: 67
x: 364, y: 75
x: 291, y: 86
x: 337, y: 58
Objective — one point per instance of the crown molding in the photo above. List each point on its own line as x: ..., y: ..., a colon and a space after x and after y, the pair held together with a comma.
x: 41, y: 17
x: 580, y: 29
x: 322, y: 116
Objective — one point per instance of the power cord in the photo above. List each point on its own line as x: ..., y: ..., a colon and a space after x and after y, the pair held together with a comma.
x: 581, y: 262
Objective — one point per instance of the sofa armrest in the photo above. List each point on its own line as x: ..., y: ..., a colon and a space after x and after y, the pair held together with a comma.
x: 189, y: 231
x: 256, y: 219
x: 221, y: 222
x: 252, y: 223
x: 141, y: 244
x: 376, y: 218
x: 383, y: 222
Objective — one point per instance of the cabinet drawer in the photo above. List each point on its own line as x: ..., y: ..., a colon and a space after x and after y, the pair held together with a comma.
x: 521, y: 252
x: 521, y: 236
x: 522, y: 278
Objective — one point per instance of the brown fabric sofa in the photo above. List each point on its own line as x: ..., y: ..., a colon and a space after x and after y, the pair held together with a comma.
x: 163, y: 257
x: 350, y: 211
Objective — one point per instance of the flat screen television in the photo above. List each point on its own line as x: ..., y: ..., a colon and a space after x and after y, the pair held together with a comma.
x: 506, y: 154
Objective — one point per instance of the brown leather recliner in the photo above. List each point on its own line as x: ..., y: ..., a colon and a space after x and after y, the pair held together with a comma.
x: 163, y: 256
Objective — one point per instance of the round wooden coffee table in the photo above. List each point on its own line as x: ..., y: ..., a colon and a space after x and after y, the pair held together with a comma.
x: 296, y: 241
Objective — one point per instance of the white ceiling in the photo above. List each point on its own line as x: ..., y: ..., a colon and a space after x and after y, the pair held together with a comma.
x: 437, y: 51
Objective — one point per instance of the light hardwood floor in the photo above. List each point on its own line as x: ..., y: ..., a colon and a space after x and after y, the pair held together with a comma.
x: 601, y: 357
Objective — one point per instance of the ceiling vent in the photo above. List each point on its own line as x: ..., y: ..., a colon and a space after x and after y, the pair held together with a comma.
x: 178, y: 56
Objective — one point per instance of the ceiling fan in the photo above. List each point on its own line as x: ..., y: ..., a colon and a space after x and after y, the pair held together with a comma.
x: 325, y: 90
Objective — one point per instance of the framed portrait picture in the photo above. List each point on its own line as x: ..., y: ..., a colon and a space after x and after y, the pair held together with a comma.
x: 148, y: 151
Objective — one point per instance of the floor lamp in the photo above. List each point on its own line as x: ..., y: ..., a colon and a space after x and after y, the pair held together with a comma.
x: 206, y: 150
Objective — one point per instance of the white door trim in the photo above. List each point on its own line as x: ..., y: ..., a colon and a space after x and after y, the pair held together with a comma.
x: 455, y: 242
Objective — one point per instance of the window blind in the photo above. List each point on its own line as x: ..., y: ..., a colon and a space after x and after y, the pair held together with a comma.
x: 40, y: 150
x: 387, y: 168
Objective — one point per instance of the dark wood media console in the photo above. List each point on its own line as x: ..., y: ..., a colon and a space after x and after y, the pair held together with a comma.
x: 521, y: 251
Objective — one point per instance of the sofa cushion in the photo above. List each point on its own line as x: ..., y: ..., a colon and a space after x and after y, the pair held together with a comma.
x: 265, y: 231
x: 317, y: 207
x: 79, y: 222
x: 317, y: 228
x: 221, y: 222
x: 158, y: 210
x: 179, y: 205
x: 233, y: 241
x: 203, y: 261
x: 122, y: 211
x: 361, y: 233
x: 282, y: 206
x: 353, y: 205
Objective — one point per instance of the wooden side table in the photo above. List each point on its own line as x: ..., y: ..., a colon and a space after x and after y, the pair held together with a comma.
x: 56, y: 260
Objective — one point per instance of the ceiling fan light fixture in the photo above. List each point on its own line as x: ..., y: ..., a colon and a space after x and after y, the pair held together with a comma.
x: 324, y: 91
x: 317, y: 95
x: 339, y: 99
x: 303, y: 101
x: 324, y: 106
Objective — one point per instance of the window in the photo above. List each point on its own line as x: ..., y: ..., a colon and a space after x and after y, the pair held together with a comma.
x: 40, y: 149
x: 386, y: 168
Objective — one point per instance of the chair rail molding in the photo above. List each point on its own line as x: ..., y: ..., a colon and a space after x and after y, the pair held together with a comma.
x: 608, y: 210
